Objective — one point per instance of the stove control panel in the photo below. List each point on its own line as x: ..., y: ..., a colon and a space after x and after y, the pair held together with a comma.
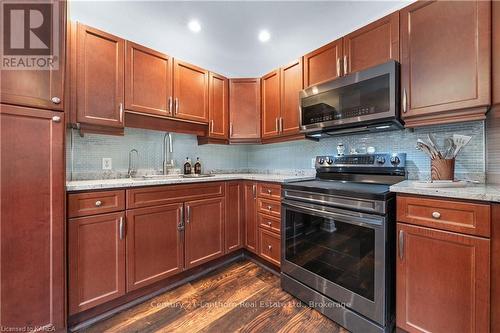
x: 381, y: 160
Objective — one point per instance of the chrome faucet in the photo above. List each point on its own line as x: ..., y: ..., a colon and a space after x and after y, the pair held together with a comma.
x: 167, y: 161
x: 132, y: 166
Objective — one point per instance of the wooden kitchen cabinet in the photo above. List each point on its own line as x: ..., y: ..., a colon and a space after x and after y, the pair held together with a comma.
x: 373, y: 44
x: 96, y: 258
x: 495, y: 60
x: 38, y: 88
x: 244, y: 110
x: 233, y: 229
x: 218, y: 106
x: 204, y: 231
x: 495, y: 268
x: 270, y: 246
x: 250, y: 215
x: 155, y: 247
x: 323, y: 64
x: 445, y: 61
x: 32, y: 259
x: 291, y: 85
x: 99, y: 79
x: 443, y: 281
x: 271, y: 104
x: 148, y: 80
x: 190, y: 92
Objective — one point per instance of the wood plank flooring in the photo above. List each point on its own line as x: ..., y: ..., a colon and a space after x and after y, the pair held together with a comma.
x: 241, y: 297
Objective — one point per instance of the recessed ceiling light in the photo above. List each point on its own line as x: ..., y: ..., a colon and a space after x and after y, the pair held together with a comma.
x: 264, y: 36
x: 194, y: 26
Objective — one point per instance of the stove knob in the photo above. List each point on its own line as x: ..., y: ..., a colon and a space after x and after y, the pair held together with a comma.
x: 395, y: 160
x: 381, y: 160
x: 321, y: 161
x: 329, y: 160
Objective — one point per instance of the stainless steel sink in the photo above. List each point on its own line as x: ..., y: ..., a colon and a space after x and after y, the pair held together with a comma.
x: 194, y: 175
x: 152, y: 177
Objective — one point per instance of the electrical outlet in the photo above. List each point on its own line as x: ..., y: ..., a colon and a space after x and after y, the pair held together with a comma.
x: 313, y: 162
x: 106, y: 163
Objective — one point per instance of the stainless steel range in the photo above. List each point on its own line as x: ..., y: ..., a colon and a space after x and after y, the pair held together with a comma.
x: 338, y: 247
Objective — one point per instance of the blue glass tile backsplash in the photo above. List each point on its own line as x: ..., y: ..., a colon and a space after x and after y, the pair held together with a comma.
x: 84, y: 154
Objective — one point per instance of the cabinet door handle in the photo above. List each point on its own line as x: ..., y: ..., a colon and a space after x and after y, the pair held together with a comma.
x: 269, y: 208
x: 269, y: 223
x: 277, y: 126
x: 176, y: 106
x: 269, y: 191
x: 269, y: 247
x: 121, y: 112
x: 401, y: 244
x: 188, y: 214
x: 436, y: 215
x: 122, y: 228
x: 254, y: 191
x: 56, y: 119
x: 405, y: 105
x: 338, y: 66
x: 231, y: 129
x: 211, y: 126
x: 346, y: 70
x: 281, y: 124
x: 55, y: 100
x: 98, y: 203
x: 170, y: 104
x: 180, y: 226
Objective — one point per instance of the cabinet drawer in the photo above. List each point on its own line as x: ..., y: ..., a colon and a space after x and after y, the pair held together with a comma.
x: 269, y: 207
x: 270, y: 246
x: 462, y: 217
x: 269, y: 223
x: 85, y: 204
x: 160, y: 195
x: 269, y: 191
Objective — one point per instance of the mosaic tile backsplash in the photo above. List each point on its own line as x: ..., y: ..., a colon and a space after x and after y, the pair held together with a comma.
x: 84, y: 154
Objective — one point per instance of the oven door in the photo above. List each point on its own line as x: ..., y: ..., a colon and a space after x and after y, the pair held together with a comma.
x: 337, y: 252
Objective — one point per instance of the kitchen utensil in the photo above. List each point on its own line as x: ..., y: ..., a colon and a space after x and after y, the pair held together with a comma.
x: 449, y: 148
x: 460, y: 141
x: 422, y: 145
x: 434, y: 145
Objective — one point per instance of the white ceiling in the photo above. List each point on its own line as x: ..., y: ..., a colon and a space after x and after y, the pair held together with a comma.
x: 228, y: 42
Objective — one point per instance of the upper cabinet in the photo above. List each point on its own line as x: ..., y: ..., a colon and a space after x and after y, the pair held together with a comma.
x: 190, y: 92
x: 99, y: 80
x: 323, y: 64
x: 38, y: 88
x: 291, y: 85
x: 148, y: 81
x: 373, y: 44
x: 495, y: 28
x: 244, y: 110
x: 271, y: 108
x: 218, y: 106
x: 445, y: 61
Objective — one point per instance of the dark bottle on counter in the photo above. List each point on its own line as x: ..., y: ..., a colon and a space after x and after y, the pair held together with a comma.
x: 197, y: 166
x: 187, y: 166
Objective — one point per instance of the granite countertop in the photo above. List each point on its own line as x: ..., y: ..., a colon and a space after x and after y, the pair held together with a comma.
x: 100, y: 184
x: 482, y: 192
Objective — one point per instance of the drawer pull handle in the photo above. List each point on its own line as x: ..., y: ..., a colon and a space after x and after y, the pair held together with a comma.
x: 269, y: 208
x: 269, y: 191
x: 98, y: 203
x: 436, y: 215
x: 269, y: 247
x: 269, y: 223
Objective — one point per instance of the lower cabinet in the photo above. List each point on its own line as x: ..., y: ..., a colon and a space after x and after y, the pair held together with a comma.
x: 250, y: 215
x: 270, y: 246
x: 204, y: 231
x: 233, y: 238
x: 96, y: 255
x: 155, y: 247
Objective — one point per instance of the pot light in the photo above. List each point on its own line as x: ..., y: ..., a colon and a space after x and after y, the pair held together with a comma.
x: 264, y: 36
x: 194, y: 26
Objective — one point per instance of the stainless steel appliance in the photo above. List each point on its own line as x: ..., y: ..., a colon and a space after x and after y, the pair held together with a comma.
x: 338, y: 247
x: 358, y: 102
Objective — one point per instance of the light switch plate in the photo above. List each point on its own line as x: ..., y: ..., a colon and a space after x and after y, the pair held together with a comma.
x: 106, y: 163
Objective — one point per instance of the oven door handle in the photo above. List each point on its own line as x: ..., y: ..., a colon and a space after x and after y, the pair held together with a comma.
x: 371, y: 222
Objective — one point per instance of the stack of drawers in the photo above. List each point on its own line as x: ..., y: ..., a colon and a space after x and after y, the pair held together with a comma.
x: 269, y: 221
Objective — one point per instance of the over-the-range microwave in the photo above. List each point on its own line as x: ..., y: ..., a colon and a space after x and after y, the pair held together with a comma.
x: 363, y: 101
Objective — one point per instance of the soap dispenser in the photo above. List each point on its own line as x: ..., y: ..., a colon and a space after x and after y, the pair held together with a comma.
x: 187, y: 166
x: 197, y: 166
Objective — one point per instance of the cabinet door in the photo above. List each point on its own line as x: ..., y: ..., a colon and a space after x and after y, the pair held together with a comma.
x: 234, y: 216
x: 96, y: 256
x: 271, y: 104
x: 190, y: 91
x: 38, y: 88
x: 218, y: 110
x: 445, y: 61
x: 32, y: 218
x: 442, y: 281
x: 204, y: 233
x: 244, y: 109
x: 495, y: 28
x: 154, y: 244
x: 250, y: 215
x: 99, y: 77
x: 323, y: 64
x: 291, y: 85
x: 374, y: 44
x: 148, y: 80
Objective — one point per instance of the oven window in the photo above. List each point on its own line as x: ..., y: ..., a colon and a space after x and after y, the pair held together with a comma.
x: 367, y: 97
x: 340, y: 252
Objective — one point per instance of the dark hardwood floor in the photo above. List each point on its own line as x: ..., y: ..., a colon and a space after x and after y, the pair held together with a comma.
x: 241, y: 297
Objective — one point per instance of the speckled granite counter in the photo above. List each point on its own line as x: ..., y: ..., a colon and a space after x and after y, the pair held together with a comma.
x: 482, y: 192
x: 101, y: 184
